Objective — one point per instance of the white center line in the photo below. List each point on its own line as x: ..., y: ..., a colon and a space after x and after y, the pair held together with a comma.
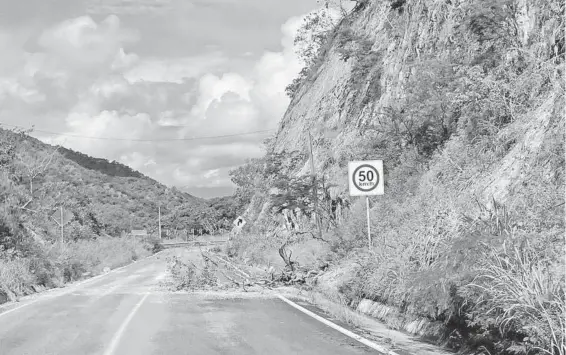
x: 116, y: 340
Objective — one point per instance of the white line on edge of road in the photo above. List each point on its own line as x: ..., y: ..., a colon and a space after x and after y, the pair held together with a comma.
x: 71, y: 288
x: 116, y: 339
x: 346, y: 332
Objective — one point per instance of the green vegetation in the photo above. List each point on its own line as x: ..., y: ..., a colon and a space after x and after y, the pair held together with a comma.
x: 105, y: 200
x: 470, y: 233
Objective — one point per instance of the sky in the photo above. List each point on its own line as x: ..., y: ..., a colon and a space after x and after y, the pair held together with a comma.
x: 169, y: 71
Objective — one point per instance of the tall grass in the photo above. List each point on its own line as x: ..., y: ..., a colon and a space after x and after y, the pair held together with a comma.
x: 523, y: 289
x: 55, y: 265
x: 15, y: 278
x: 86, y: 256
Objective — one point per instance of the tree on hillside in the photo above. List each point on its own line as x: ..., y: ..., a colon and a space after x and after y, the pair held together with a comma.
x: 228, y: 209
x: 31, y: 167
x: 311, y: 37
x: 112, y: 168
x: 190, y: 216
x: 313, y: 33
x: 12, y: 230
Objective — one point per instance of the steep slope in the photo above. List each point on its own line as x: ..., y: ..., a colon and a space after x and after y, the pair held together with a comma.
x: 464, y: 102
x: 390, y: 55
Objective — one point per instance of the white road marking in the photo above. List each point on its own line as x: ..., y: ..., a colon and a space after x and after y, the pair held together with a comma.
x: 346, y: 332
x: 116, y: 340
x: 161, y: 276
x: 71, y: 288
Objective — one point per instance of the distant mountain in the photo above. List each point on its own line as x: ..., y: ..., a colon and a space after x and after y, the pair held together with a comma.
x: 103, y: 196
x: 102, y: 165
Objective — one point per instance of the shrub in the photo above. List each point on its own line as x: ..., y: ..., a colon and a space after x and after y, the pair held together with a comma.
x: 15, y: 278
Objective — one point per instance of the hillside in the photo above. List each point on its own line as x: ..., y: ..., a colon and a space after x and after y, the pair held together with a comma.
x: 104, y: 197
x: 99, y: 164
x: 464, y: 103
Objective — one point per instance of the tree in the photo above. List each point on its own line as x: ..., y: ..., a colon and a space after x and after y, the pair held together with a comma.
x: 313, y: 33
x: 32, y: 165
x: 192, y: 216
x: 12, y: 231
x: 228, y: 209
x: 311, y: 38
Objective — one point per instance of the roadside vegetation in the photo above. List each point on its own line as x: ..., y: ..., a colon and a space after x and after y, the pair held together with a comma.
x: 53, y: 267
x: 101, y: 201
x: 460, y: 239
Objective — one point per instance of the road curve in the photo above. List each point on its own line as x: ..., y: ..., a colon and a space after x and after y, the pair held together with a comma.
x: 128, y: 312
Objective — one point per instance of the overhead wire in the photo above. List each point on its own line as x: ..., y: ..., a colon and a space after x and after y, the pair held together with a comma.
x: 142, y: 140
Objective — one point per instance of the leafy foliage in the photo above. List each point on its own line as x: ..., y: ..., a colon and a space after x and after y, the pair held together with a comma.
x: 310, y: 41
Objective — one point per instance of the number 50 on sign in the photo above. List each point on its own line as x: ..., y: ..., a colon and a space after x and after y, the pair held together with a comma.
x: 366, y: 178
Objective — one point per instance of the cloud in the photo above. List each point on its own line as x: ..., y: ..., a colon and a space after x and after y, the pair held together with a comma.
x: 128, y: 7
x: 235, y: 103
x: 174, y: 70
x: 83, y: 78
x: 211, y: 173
x: 213, y: 88
x: 83, y: 43
x: 221, y: 104
x: 14, y: 90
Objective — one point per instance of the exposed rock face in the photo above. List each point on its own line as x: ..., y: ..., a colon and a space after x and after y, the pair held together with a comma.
x: 350, y: 96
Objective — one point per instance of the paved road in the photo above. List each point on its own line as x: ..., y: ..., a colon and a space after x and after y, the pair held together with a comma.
x: 128, y: 312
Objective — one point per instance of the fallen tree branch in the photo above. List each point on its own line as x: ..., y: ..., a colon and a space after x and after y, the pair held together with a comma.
x: 233, y: 266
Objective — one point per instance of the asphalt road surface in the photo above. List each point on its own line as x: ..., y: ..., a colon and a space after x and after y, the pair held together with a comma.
x: 128, y: 312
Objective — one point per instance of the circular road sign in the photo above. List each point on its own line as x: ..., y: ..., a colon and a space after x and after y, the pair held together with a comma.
x: 366, y: 178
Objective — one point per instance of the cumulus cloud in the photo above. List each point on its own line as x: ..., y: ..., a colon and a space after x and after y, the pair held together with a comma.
x: 236, y: 103
x: 83, y: 81
x: 83, y: 43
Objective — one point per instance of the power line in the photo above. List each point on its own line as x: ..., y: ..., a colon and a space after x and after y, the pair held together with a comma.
x: 143, y: 140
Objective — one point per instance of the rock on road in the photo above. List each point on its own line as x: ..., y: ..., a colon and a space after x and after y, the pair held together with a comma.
x: 128, y: 312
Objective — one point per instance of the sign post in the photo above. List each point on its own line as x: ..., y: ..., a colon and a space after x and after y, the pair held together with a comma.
x: 239, y: 222
x: 365, y: 178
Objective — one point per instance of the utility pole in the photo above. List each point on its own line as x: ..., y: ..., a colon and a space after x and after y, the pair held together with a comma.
x: 159, y: 209
x: 62, y: 230
x: 315, y: 189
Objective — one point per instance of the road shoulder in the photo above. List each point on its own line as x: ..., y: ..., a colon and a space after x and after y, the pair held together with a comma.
x: 399, y: 342
x: 46, y: 294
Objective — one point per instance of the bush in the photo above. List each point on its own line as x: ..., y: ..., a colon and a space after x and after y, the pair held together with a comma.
x: 152, y: 244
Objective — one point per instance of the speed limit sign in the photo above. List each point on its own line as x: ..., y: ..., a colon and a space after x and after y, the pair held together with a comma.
x: 366, y: 177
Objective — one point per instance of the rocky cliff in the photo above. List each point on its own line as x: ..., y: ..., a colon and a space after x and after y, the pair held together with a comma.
x: 348, y: 94
x: 464, y: 102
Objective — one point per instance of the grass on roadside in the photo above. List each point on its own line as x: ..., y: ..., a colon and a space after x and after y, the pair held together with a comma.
x: 53, y: 266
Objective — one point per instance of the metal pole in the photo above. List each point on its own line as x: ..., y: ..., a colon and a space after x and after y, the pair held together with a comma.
x: 315, y: 189
x: 369, y: 230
